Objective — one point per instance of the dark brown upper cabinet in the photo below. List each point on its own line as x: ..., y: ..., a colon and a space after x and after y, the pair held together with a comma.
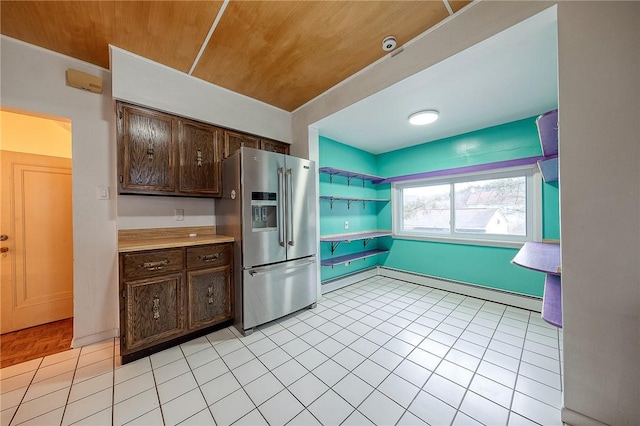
x: 233, y: 141
x: 200, y: 156
x: 274, y: 146
x: 162, y: 154
x: 146, y: 154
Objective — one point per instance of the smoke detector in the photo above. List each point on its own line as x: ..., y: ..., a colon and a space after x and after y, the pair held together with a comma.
x: 389, y: 43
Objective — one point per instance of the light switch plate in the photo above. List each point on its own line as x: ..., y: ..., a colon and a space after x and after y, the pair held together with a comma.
x: 179, y: 213
x: 102, y: 193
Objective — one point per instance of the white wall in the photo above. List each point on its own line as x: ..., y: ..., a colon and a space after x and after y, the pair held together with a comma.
x: 144, y: 82
x: 599, y: 115
x: 599, y: 86
x: 33, y: 79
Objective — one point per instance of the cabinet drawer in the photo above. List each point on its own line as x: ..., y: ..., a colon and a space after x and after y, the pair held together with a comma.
x: 208, y: 256
x: 153, y: 262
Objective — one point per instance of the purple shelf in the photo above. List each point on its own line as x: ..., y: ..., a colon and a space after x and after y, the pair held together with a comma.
x: 548, y: 131
x: 339, y: 260
x: 552, y: 301
x: 350, y: 175
x: 541, y: 257
x: 549, y: 169
x: 350, y: 200
x: 355, y: 236
x: 331, y: 197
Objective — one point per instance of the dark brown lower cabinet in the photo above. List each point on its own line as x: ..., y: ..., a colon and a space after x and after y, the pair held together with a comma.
x: 153, y: 310
x: 171, y: 295
x: 209, y: 301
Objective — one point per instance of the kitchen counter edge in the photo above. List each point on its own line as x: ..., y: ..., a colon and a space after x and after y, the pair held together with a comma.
x: 170, y: 242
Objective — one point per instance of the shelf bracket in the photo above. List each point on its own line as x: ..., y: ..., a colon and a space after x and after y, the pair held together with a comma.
x: 366, y: 241
x: 331, y: 200
x: 334, y: 246
x: 349, y: 204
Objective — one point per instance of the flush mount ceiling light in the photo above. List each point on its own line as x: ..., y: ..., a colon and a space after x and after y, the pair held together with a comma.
x: 421, y: 118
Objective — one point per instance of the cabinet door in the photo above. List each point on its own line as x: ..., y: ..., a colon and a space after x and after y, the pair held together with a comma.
x: 233, y: 141
x: 153, y: 310
x: 146, y: 151
x: 210, y: 296
x: 199, y: 171
x: 274, y: 146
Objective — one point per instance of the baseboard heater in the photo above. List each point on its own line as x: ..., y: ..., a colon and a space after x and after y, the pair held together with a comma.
x: 518, y: 300
x: 348, y: 279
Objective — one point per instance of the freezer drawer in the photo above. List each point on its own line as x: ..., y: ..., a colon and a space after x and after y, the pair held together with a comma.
x: 271, y: 292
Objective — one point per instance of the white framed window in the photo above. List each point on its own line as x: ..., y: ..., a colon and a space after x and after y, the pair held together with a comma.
x: 500, y: 207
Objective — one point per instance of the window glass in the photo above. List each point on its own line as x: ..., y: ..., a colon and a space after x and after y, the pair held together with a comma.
x: 493, y: 206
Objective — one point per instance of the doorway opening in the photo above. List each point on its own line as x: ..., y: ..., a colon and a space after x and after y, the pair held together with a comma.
x: 36, y: 229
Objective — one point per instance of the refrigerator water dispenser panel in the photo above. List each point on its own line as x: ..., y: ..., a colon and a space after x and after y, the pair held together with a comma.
x: 264, y: 211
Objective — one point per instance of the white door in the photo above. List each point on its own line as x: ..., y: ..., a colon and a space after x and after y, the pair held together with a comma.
x: 36, y: 263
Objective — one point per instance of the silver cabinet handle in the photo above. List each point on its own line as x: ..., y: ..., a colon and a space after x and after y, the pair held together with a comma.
x: 290, y: 207
x: 154, y: 266
x: 257, y: 272
x: 210, y: 295
x: 209, y: 257
x: 156, y: 307
x: 281, y: 203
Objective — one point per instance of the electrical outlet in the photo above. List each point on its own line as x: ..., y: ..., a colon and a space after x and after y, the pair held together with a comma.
x: 179, y: 214
x: 346, y: 224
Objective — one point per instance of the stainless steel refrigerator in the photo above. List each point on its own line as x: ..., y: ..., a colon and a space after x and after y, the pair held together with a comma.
x: 269, y: 207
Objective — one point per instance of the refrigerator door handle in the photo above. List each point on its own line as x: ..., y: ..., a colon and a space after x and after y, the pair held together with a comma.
x: 265, y: 270
x: 289, y: 180
x: 281, y: 206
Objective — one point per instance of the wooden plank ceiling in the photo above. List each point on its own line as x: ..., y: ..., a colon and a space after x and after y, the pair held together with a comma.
x: 284, y: 53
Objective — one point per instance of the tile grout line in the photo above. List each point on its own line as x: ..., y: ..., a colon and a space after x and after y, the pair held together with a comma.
x: 25, y: 392
x: 113, y: 383
x: 513, y: 396
x: 153, y: 374
x: 390, y: 292
x: 405, y: 410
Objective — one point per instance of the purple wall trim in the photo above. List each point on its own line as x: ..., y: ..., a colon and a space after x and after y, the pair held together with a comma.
x: 466, y: 169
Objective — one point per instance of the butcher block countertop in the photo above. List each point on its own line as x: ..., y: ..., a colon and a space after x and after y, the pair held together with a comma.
x: 159, y: 238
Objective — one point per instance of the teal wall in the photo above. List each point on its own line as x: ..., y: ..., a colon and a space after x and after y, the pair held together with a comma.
x: 360, y: 218
x: 481, y: 265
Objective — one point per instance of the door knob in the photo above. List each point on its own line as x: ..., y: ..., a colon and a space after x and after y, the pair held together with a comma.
x: 4, y: 249
x: 4, y: 237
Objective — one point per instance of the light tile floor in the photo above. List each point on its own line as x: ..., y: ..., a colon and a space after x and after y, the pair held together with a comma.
x: 381, y: 351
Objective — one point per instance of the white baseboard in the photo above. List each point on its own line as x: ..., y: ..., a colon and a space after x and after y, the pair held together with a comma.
x: 570, y: 417
x: 523, y: 301
x: 336, y: 283
x: 94, y: 338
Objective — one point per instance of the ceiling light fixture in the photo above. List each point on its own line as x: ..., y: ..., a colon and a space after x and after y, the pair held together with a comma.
x: 421, y: 118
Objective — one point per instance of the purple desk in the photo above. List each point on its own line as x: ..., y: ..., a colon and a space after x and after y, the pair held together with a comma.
x: 545, y: 257
x: 541, y: 257
x: 552, y: 301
